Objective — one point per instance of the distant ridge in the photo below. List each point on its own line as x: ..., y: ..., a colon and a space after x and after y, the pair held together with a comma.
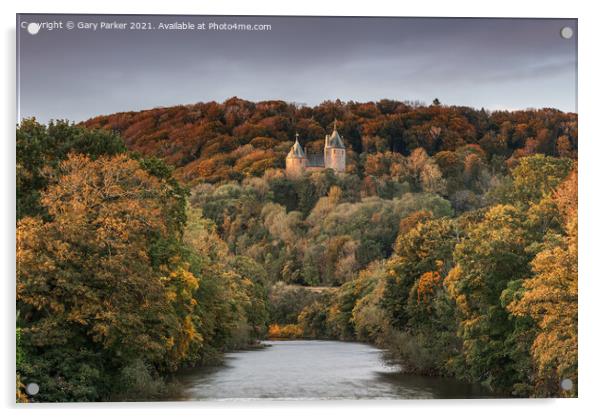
x: 237, y: 138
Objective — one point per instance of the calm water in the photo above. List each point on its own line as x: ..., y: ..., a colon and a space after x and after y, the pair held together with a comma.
x: 311, y: 369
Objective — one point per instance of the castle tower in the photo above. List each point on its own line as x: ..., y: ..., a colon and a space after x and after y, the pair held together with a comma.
x: 296, y: 161
x: 334, y: 151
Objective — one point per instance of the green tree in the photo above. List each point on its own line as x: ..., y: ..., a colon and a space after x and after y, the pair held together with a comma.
x: 533, y: 178
x: 494, y: 254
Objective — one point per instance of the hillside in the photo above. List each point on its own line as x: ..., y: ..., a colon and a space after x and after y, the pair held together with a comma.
x: 237, y: 138
x: 444, y: 242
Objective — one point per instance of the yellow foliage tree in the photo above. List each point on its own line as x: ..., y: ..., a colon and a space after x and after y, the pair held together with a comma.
x: 550, y: 297
x: 88, y: 273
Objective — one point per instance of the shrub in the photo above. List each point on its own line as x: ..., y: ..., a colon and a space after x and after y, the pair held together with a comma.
x: 287, y: 331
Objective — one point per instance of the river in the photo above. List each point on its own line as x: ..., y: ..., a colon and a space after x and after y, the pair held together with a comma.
x: 312, y: 369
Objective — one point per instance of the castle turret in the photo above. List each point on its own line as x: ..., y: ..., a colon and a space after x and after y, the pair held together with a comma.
x: 334, y: 151
x: 296, y: 161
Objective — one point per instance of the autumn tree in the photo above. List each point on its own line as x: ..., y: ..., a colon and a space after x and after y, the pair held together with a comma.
x: 86, y: 284
x: 40, y: 149
x: 533, y: 178
x: 494, y: 254
x: 550, y: 298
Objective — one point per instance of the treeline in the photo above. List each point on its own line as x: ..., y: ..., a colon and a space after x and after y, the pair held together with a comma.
x: 489, y: 295
x: 213, y: 142
x: 119, y: 283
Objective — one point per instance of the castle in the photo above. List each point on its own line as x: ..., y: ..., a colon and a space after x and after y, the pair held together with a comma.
x: 297, y: 162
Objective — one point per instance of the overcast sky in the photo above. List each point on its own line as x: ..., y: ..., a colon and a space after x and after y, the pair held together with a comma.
x: 491, y: 63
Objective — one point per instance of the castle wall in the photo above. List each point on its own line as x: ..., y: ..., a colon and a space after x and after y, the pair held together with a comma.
x: 334, y: 158
x: 295, y: 166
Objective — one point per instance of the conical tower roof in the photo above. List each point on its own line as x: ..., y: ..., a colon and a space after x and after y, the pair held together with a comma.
x: 335, y: 141
x: 296, y: 151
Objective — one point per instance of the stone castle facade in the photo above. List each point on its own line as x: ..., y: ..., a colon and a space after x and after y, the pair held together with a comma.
x: 297, y: 162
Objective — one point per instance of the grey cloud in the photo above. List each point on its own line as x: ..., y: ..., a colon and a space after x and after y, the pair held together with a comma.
x: 477, y: 62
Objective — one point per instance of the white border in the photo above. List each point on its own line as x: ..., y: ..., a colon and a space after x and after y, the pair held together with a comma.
x: 590, y: 154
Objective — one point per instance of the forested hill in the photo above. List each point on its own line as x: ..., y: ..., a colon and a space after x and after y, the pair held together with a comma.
x: 451, y: 242
x: 238, y: 138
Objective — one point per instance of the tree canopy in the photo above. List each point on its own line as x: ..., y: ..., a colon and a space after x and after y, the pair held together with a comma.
x: 152, y: 241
